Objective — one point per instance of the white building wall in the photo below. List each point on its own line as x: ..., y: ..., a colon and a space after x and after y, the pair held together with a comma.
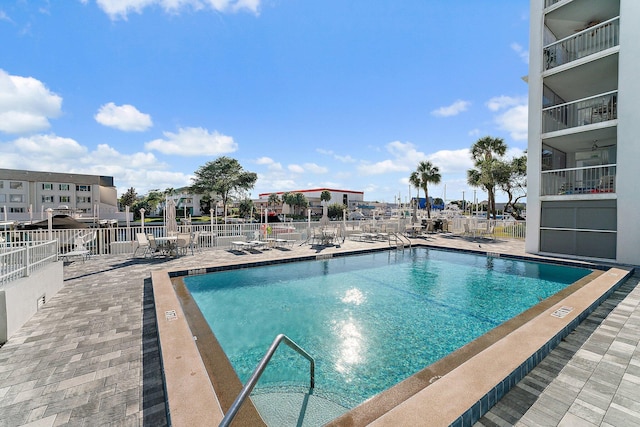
x: 536, y: 33
x: 628, y: 243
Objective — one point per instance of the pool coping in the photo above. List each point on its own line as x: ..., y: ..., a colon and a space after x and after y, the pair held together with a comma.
x: 382, y: 409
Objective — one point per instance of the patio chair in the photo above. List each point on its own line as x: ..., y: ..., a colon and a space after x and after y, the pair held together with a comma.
x: 467, y: 231
x: 194, y: 244
x: 183, y: 242
x: 142, y: 244
x: 154, y: 248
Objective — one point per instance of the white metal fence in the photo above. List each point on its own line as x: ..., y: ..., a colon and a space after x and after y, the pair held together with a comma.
x: 19, y: 259
x: 122, y: 240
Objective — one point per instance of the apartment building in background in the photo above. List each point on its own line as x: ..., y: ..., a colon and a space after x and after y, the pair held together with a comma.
x: 26, y: 195
x: 584, y: 129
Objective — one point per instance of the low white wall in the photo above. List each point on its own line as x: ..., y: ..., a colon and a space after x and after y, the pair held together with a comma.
x: 19, y: 298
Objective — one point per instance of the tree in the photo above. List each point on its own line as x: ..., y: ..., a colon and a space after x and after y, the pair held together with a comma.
x: 414, y: 180
x: 245, y: 208
x: 206, y: 203
x: 486, y: 153
x: 429, y: 174
x: 274, y: 199
x: 224, y: 177
x: 336, y: 210
x: 300, y: 201
x: 288, y: 198
x: 325, y: 196
x: 129, y: 197
x: 512, y: 179
x: 154, y: 198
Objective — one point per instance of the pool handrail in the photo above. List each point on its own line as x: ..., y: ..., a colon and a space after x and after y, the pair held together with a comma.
x: 248, y: 387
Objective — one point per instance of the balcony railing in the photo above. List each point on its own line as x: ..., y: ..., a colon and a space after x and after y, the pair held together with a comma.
x: 588, y: 41
x: 548, y: 3
x: 586, y: 180
x: 582, y: 112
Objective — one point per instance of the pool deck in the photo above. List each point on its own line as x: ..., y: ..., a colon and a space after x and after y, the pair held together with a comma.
x: 91, y: 357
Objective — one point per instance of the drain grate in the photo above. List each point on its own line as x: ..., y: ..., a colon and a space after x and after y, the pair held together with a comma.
x: 562, y: 312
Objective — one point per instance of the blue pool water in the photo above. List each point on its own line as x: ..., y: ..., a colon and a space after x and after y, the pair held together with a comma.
x: 371, y: 320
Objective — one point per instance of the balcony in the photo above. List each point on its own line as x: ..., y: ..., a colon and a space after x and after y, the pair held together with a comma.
x: 583, y: 112
x: 585, y: 180
x: 587, y: 42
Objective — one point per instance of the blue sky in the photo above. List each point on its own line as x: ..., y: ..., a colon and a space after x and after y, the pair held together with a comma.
x: 307, y: 94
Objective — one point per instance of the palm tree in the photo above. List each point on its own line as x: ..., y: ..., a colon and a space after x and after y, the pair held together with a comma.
x: 486, y: 153
x: 414, y: 179
x: 429, y: 174
x: 274, y: 199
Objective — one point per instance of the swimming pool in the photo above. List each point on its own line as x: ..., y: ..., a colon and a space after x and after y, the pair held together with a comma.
x: 369, y: 320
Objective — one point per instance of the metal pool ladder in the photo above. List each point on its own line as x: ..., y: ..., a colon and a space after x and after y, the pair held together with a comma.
x: 248, y: 387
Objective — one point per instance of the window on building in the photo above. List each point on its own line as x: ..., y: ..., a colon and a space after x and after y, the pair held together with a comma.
x: 63, y: 187
x: 83, y: 199
x: 15, y: 198
x: 65, y: 199
x: 3, y: 198
x: 47, y: 186
x: 1, y: 184
x: 16, y: 210
x: 15, y: 185
x: 83, y: 188
x: 47, y: 199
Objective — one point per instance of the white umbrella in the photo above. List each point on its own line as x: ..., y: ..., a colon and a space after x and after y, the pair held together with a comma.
x: 325, y: 214
x: 170, y: 213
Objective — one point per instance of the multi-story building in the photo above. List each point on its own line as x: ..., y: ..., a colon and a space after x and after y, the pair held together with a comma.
x: 351, y: 199
x: 26, y: 195
x: 583, y: 129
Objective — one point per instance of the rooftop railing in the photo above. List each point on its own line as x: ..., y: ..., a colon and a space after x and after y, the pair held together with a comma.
x: 548, y: 3
x: 586, y: 42
x: 585, y: 180
x: 586, y: 111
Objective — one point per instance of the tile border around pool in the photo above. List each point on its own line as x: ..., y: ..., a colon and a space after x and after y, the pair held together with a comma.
x: 475, y: 411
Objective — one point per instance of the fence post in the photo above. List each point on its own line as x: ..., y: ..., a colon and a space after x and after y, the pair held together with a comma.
x: 26, y: 261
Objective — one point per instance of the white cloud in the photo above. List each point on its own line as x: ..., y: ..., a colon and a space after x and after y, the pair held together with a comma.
x: 515, y: 121
x: 121, y: 8
x: 522, y: 52
x: 4, y: 16
x: 405, y: 158
x: 314, y: 168
x: 271, y: 164
x: 343, y: 159
x: 501, y: 102
x: 296, y: 168
x: 193, y: 142
x: 124, y: 117
x: 53, y: 153
x: 452, y: 110
x: 26, y: 105
x: 452, y: 161
x: 514, y: 115
x: 307, y: 168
